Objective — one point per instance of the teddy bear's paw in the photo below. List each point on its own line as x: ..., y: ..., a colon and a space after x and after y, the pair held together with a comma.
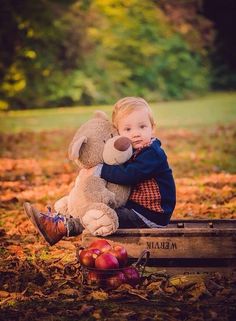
x: 104, y: 231
x: 98, y: 223
x: 92, y: 215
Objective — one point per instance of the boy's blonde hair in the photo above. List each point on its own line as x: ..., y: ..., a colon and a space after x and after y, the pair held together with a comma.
x: 127, y: 105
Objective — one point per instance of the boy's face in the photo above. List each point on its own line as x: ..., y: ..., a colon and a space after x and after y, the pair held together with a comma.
x: 137, y: 127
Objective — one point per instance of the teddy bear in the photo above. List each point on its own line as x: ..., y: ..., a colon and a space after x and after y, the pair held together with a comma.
x: 92, y: 199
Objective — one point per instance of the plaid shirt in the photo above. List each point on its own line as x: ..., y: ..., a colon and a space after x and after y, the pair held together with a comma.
x: 149, y: 175
x: 146, y: 193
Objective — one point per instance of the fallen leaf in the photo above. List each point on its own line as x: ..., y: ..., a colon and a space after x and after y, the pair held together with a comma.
x: 99, y: 295
x: 183, y: 281
x: 69, y: 292
x: 197, y: 291
x: 153, y: 286
x: 4, y: 294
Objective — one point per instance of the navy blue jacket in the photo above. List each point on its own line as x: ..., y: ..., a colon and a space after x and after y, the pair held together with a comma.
x: 149, y: 166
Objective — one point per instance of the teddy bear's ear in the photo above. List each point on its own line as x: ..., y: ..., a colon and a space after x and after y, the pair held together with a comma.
x: 100, y: 114
x: 75, y: 146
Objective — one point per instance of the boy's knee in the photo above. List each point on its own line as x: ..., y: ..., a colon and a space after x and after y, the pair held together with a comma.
x: 129, y: 219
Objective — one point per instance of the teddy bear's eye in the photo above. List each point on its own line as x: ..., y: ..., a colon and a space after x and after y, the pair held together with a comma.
x: 111, y: 135
x: 104, y: 141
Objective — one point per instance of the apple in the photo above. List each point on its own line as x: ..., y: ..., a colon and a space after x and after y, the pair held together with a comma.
x: 100, y: 244
x: 132, y: 276
x: 94, y: 278
x: 106, y: 261
x: 121, y: 254
x: 114, y: 281
x: 87, y: 257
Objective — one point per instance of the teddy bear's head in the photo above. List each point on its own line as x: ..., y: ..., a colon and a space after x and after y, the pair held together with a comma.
x: 97, y: 141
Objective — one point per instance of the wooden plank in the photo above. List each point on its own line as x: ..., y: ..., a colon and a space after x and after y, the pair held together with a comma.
x: 175, y: 246
x: 183, y: 239
x: 226, y: 271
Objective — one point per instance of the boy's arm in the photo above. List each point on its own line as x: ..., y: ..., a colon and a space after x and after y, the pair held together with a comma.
x: 147, y: 164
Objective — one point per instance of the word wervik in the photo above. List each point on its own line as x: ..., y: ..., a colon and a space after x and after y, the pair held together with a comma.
x: 167, y: 245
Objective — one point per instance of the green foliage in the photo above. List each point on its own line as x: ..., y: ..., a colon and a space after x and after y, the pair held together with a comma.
x: 86, y: 52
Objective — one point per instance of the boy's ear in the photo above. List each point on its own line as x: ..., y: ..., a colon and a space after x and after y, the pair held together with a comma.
x: 154, y: 129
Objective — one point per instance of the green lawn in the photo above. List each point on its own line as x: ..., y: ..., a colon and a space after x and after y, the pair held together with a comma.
x: 212, y: 109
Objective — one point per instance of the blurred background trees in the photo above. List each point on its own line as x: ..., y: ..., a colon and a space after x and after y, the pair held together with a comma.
x: 61, y: 53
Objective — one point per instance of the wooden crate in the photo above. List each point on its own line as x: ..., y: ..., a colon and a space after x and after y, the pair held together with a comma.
x: 184, y: 246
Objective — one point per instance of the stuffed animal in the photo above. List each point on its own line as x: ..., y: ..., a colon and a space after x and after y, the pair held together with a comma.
x: 92, y: 199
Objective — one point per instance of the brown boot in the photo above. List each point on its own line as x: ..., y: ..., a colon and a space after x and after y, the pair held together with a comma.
x: 52, y: 228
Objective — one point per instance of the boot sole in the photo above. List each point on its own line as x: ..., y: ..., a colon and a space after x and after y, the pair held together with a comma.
x: 34, y: 219
x: 28, y: 211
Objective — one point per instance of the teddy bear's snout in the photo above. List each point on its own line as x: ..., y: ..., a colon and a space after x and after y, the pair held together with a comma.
x: 122, y: 144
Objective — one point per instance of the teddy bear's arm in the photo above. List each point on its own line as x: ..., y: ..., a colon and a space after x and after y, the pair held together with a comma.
x: 94, y: 189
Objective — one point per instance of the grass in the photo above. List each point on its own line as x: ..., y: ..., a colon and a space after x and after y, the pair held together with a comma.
x: 211, y: 110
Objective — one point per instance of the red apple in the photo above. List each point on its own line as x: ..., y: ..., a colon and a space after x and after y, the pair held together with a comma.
x: 121, y: 254
x: 87, y: 257
x: 94, y: 278
x: 114, y: 281
x: 106, y: 261
x: 101, y: 244
x: 132, y: 276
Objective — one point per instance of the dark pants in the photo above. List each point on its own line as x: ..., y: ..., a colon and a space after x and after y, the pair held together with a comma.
x: 129, y: 219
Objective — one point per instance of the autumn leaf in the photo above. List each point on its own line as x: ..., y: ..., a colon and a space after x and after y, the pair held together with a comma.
x: 197, y: 291
x: 4, y: 294
x: 183, y: 281
x: 98, y: 295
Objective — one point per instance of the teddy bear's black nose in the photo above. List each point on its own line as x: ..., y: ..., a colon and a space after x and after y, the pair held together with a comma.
x: 122, y: 144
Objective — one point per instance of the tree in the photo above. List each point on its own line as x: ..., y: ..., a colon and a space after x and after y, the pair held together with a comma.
x: 29, y: 35
x: 69, y: 52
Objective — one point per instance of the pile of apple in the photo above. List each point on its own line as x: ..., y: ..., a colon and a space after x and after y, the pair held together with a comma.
x: 107, y: 265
